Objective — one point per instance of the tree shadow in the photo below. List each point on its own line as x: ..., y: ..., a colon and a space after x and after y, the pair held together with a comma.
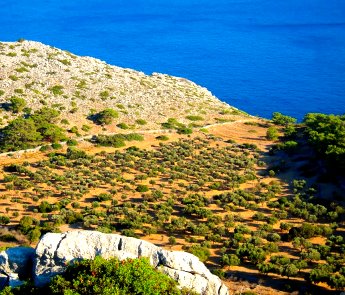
x: 5, y: 106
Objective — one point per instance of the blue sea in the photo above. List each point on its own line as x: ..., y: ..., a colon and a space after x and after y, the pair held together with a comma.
x: 258, y: 55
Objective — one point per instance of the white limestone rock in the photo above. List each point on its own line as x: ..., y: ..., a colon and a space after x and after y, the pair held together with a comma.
x: 54, y: 251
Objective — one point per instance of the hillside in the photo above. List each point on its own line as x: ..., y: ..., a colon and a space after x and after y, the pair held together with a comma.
x: 159, y: 158
x: 81, y: 86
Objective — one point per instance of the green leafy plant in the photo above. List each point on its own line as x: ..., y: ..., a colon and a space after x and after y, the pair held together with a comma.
x: 107, y: 277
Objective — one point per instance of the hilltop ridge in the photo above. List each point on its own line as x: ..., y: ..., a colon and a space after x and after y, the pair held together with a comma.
x: 80, y: 86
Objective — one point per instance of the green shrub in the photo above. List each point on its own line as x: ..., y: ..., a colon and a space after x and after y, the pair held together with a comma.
x: 195, y: 118
x: 56, y: 90
x: 4, y: 220
x: 45, y: 207
x: 64, y: 121
x: 103, y: 197
x: 45, y: 148
x: 162, y: 137
x: 272, y: 133
x: 199, y: 251
x: 104, y: 95
x: 107, y: 277
x: 140, y: 122
x: 85, y: 128
x: 106, y: 116
x: 326, y: 133
x: 72, y: 142
x: 230, y: 260
x: 56, y: 146
x: 74, y: 153
x: 17, y: 104
x: 122, y: 126
x: 184, y: 130
x: 142, y: 188
x: 65, y: 62
x: 13, y: 77
x: 117, y: 140
x: 280, y: 119
x: 110, y: 140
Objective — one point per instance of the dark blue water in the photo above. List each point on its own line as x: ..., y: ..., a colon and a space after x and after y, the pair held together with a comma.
x: 258, y: 55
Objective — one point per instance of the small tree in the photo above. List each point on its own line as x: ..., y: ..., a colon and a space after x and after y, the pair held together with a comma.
x: 280, y: 119
x: 172, y: 240
x: 107, y: 116
x: 20, y: 134
x: 230, y: 260
x: 272, y: 133
x: 17, y: 104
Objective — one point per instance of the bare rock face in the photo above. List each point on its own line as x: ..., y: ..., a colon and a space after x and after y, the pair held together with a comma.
x: 55, y: 250
x: 15, y: 264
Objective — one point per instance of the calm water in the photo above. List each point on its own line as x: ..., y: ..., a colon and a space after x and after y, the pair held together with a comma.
x: 258, y: 55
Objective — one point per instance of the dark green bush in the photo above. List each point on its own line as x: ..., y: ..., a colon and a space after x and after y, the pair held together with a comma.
x: 107, y: 277
x: 17, y: 104
x: 199, y: 251
x: 117, y: 140
x: 106, y: 116
x: 72, y: 142
x: 122, y: 126
x: 140, y: 122
x: 280, y: 119
x: 162, y: 137
x: 142, y: 188
x: 194, y: 118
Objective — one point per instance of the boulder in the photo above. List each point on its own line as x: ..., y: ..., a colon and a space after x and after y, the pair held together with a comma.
x: 55, y: 250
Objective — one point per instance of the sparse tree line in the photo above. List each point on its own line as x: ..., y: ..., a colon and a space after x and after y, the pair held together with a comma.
x: 168, y: 193
x: 185, y: 211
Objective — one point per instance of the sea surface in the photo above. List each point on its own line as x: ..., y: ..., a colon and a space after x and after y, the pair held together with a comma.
x: 258, y: 55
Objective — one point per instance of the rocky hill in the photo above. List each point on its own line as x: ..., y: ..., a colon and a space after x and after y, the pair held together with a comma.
x: 79, y: 86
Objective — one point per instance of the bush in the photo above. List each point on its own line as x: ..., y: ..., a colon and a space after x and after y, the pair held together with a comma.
x: 140, y: 122
x: 56, y: 146
x: 103, y: 197
x: 106, y: 277
x: 56, y: 90
x: 122, y: 126
x: 289, y: 146
x: 85, y: 128
x: 194, y: 118
x: 199, y: 251
x: 117, y: 140
x: 184, y: 130
x: 106, y: 116
x: 326, y: 134
x: 4, y: 220
x: 272, y: 133
x: 72, y: 142
x: 280, y: 119
x: 111, y: 140
x: 17, y: 104
x: 45, y: 207
x: 162, y: 137
x: 142, y: 188
x: 74, y: 153
x: 230, y: 260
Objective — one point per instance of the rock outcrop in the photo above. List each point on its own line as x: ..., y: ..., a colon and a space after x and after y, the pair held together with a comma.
x: 46, y: 76
x: 56, y: 249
